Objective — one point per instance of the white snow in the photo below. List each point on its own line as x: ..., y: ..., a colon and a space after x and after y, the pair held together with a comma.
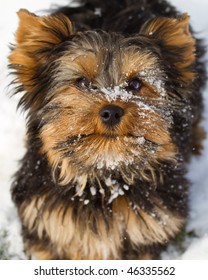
x: 93, y: 191
x: 118, y: 92
x: 151, y: 77
x: 12, y: 128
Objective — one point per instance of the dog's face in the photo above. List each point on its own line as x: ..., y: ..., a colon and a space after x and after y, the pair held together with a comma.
x: 104, y: 103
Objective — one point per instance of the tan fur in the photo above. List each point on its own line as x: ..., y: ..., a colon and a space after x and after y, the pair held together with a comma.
x: 76, y: 240
x: 198, y: 136
x: 104, y: 145
x: 175, y: 33
x: 32, y: 27
x: 133, y: 62
x: 34, y: 34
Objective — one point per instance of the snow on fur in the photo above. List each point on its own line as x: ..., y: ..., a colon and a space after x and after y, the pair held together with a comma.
x: 12, y: 128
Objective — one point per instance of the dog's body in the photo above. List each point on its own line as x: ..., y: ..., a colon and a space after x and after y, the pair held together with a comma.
x: 114, y: 101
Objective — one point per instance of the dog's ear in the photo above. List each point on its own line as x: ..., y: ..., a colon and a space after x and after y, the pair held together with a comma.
x: 176, y: 42
x: 38, y: 31
x: 36, y: 37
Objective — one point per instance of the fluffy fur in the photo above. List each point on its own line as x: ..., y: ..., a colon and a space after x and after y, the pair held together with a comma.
x: 112, y: 90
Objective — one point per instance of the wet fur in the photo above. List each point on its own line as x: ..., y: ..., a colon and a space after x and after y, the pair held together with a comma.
x: 65, y: 189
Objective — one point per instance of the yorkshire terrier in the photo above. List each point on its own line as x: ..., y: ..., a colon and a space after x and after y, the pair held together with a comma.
x: 112, y: 91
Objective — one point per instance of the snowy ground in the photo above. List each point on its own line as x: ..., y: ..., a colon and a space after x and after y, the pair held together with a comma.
x: 12, y: 142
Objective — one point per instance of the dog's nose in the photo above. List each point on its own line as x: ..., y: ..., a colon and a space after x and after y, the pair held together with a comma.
x: 111, y: 114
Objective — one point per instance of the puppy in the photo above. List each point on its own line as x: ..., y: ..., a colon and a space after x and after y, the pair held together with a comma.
x: 112, y: 91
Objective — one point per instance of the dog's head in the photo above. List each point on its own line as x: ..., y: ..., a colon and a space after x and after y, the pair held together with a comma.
x: 103, y: 102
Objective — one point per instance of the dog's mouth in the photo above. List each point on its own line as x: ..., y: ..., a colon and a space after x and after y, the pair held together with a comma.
x: 98, y: 153
x: 104, y: 137
x: 105, y: 150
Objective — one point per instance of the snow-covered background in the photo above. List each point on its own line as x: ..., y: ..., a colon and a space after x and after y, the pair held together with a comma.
x: 195, y: 246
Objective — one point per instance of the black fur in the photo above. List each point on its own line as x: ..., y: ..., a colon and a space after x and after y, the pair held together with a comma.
x: 34, y: 177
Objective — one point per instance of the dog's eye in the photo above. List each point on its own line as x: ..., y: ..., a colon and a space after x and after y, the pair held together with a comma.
x: 134, y: 84
x: 83, y: 82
